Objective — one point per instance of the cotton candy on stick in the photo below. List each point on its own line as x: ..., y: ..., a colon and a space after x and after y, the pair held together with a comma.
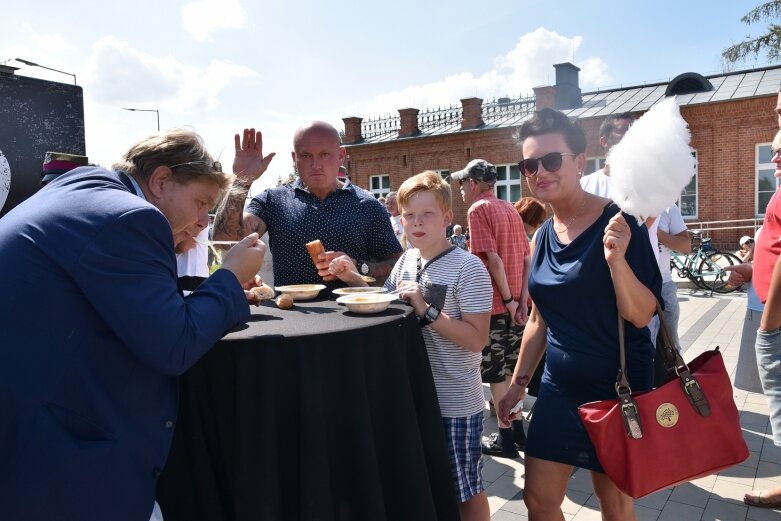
x: 652, y: 163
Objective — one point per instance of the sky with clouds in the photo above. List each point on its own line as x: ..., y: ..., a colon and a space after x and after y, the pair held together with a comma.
x: 221, y: 65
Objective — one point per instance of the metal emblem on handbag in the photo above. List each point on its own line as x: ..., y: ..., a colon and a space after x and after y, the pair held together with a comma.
x: 667, y: 415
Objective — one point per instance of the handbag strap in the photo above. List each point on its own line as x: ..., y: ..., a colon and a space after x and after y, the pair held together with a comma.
x: 674, y: 361
x: 629, y: 410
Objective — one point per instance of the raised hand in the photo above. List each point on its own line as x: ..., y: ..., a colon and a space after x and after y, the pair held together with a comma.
x: 249, y: 162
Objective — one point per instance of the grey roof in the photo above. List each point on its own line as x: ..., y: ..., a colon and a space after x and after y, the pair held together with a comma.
x: 729, y: 86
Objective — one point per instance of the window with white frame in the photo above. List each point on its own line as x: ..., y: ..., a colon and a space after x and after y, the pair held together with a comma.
x: 688, y: 200
x: 766, y: 183
x: 379, y: 185
x: 444, y: 174
x: 593, y: 164
x: 508, y: 182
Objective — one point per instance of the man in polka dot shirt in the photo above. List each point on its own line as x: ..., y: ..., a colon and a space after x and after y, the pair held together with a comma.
x: 317, y: 205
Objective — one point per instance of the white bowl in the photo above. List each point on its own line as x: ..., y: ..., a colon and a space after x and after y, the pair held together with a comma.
x: 354, y: 290
x: 301, y: 291
x: 367, y: 302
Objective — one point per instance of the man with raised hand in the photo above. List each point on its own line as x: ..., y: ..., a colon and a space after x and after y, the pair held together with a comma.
x: 347, y: 219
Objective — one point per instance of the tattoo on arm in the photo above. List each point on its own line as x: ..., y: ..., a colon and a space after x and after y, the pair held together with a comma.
x: 522, y: 380
x: 381, y: 268
x: 228, y: 221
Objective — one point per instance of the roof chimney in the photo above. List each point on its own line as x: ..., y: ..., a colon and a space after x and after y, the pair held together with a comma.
x: 408, y: 122
x: 567, y: 86
x: 7, y: 70
x: 352, y: 130
x: 472, y: 113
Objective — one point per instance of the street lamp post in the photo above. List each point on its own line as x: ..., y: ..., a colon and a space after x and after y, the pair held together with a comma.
x: 33, y: 64
x: 147, y: 110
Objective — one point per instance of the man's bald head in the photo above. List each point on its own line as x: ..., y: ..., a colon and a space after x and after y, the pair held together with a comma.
x: 318, y: 154
x: 320, y: 127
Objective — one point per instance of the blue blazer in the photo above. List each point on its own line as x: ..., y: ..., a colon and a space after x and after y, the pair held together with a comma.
x: 93, y: 333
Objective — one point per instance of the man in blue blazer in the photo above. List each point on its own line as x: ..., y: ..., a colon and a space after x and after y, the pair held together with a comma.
x: 93, y: 330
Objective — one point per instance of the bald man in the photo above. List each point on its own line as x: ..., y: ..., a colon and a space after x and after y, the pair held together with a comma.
x: 347, y: 219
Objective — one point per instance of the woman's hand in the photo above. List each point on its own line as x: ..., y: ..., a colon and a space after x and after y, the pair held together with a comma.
x: 616, y: 238
x: 510, y: 399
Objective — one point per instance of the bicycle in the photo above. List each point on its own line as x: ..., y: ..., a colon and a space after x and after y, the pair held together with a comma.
x: 705, y: 265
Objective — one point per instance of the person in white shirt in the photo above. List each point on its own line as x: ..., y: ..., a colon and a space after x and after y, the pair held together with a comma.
x: 611, y: 132
x: 673, y: 235
x: 192, y: 261
x: 392, y: 206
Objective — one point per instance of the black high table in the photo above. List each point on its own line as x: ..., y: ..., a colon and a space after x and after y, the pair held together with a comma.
x: 312, y: 413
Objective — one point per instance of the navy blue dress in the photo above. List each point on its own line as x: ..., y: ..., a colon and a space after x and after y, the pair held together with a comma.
x: 572, y: 289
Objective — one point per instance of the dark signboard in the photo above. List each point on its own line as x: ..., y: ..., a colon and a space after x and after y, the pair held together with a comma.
x: 36, y: 116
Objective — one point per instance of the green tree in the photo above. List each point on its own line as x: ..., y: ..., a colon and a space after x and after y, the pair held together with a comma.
x: 770, y: 42
x: 292, y: 176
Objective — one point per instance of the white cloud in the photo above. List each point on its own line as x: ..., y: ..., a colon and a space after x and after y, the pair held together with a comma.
x: 514, y: 74
x: 119, y: 75
x: 203, y: 17
x: 45, y: 42
x: 47, y: 49
x: 593, y: 73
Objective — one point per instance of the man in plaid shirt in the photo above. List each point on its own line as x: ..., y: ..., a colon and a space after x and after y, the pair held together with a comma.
x: 497, y: 236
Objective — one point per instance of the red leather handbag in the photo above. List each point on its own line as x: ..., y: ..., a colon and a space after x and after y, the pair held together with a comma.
x: 685, y: 429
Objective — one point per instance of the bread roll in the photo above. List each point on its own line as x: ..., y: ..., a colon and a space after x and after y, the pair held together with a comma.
x: 284, y: 301
x: 263, y: 292
x: 315, y: 248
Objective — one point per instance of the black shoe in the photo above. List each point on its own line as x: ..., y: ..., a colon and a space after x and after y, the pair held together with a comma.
x: 492, y: 446
x: 519, y: 435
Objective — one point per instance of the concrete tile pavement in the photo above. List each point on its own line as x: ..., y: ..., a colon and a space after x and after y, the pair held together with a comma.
x: 706, y: 321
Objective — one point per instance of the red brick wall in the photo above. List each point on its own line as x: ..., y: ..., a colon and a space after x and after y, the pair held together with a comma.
x: 724, y: 135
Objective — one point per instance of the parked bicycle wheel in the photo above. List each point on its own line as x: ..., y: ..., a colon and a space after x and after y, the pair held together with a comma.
x: 711, y: 274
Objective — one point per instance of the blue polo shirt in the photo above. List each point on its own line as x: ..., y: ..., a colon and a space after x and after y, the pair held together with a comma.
x: 349, y: 220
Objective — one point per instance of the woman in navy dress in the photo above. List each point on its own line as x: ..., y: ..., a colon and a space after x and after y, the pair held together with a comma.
x: 590, y: 263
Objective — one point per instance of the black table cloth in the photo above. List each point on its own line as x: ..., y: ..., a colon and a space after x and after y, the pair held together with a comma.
x: 312, y: 413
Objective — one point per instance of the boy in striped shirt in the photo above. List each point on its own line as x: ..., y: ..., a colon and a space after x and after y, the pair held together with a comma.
x: 450, y: 291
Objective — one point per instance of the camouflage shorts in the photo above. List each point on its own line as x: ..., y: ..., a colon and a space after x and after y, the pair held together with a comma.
x: 501, y: 353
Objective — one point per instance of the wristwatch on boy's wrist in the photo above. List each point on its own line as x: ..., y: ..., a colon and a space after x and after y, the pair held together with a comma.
x: 429, y: 316
x: 363, y: 267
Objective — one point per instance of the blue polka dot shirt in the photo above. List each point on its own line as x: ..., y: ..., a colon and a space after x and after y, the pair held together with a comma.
x: 349, y: 220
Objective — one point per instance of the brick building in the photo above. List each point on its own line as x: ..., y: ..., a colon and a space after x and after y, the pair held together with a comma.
x: 730, y: 116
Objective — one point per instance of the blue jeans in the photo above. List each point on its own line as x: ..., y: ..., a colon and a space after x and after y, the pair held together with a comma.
x: 672, y: 311
x: 769, y: 362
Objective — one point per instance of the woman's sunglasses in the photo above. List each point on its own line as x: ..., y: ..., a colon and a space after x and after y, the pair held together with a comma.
x: 550, y: 162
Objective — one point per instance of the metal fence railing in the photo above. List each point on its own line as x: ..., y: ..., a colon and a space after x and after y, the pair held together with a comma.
x: 705, y: 227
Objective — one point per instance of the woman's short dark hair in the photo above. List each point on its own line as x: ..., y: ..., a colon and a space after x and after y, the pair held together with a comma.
x: 549, y: 121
